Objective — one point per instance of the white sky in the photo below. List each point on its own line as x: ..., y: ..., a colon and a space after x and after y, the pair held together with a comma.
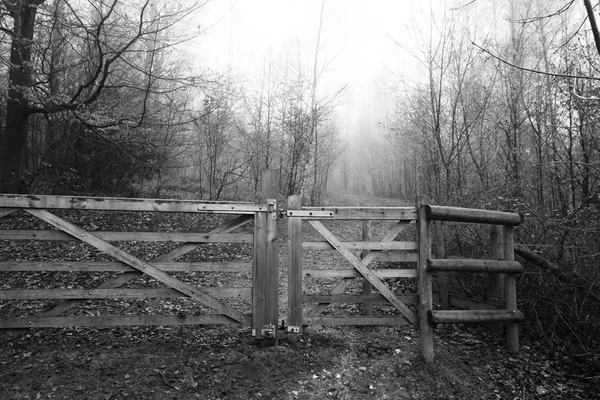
x: 356, y: 38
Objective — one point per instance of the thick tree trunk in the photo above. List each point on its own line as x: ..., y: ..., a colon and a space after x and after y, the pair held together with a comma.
x: 23, y: 13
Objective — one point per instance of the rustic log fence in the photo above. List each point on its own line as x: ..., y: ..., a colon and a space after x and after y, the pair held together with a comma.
x: 501, y: 267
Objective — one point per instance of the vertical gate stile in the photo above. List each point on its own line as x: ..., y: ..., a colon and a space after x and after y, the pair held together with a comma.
x: 425, y: 287
x: 440, y: 253
x: 512, y: 329
x: 294, y: 267
x: 495, y: 291
x: 266, y: 262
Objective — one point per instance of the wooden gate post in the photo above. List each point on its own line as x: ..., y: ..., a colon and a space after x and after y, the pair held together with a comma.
x: 425, y: 287
x: 495, y: 290
x: 294, y: 267
x: 266, y: 263
x: 512, y: 329
x: 440, y: 253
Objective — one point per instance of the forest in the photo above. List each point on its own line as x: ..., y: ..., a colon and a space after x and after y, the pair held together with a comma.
x: 498, y: 109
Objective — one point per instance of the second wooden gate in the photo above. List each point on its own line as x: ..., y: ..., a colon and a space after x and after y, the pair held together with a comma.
x: 360, y: 256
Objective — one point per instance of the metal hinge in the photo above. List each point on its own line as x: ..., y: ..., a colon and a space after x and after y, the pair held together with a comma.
x: 293, y: 329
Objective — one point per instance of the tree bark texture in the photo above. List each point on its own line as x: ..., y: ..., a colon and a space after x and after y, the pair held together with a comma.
x: 23, y: 13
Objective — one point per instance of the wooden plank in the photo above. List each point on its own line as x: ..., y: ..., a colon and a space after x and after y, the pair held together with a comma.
x: 442, y: 213
x: 7, y: 211
x: 373, y: 321
x: 114, y: 320
x: 171, y: 255
x: 356, y: 298
x: 468, y: 265
x: 65, y: 294
x: 512, y: 329
x: 425, y: 284
x: 29, y: 234
x: 107, y: 266
x: 122, y: 204
x: 341, y: 286
x: 357, y: 213
x: 364, y: 271
x: 474, y: 316
x: 381, y: 246
x: 396, y: 256
x: 352, y: 273
x: 194, y: 293
x: 295, y: 272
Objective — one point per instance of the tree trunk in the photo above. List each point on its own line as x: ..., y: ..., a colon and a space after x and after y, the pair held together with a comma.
x: 17, y: 107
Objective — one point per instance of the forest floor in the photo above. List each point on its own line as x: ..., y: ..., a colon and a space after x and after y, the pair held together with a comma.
x: 223, y: 362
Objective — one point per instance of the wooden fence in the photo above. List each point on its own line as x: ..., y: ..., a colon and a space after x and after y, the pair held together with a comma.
x: 417, y: 256
x: 411, y: 258
x: 263, y: 266
x: 501, y: 266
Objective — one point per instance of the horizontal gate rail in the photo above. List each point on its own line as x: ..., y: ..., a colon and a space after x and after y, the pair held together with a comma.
x: 355, y: 213
x: 107, y: 266
x: 17, y: 201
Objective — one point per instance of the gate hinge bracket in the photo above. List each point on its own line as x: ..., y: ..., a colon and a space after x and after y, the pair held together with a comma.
x: 293, y: 329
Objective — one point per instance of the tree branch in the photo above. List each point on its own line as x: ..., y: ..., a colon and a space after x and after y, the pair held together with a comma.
x: 534, y: 71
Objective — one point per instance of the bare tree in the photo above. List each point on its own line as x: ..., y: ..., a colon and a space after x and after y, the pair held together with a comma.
x: 103, y: 41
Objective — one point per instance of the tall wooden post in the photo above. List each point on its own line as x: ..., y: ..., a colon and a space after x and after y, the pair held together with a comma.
x: 425, y: 288
x: 266, y: 263
x: 294, y: 267
x: 367, y: 288
x: 495, y: 290
x: 512, y: 329
x: 440, y: 253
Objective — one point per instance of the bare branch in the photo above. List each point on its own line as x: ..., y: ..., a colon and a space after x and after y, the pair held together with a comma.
x: 533, y: 71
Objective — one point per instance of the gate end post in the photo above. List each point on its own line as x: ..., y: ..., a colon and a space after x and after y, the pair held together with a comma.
x: 425, y: 286
x: 265, y: 275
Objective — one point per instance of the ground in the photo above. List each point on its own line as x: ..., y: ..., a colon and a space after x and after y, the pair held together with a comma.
x: 223, y: 362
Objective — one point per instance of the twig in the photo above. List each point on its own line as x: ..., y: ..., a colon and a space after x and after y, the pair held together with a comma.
x: 167, y: 382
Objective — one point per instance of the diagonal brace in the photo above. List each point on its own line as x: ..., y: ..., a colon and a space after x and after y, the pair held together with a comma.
x: 171, y: 255
x: 365, y: 272
x: 343, y: 284
x: 193, y: 292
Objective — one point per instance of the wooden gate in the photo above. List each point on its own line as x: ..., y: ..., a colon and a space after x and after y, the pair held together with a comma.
x: 501, y: 266
x: 263, y: 266
x: 386, y: 249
